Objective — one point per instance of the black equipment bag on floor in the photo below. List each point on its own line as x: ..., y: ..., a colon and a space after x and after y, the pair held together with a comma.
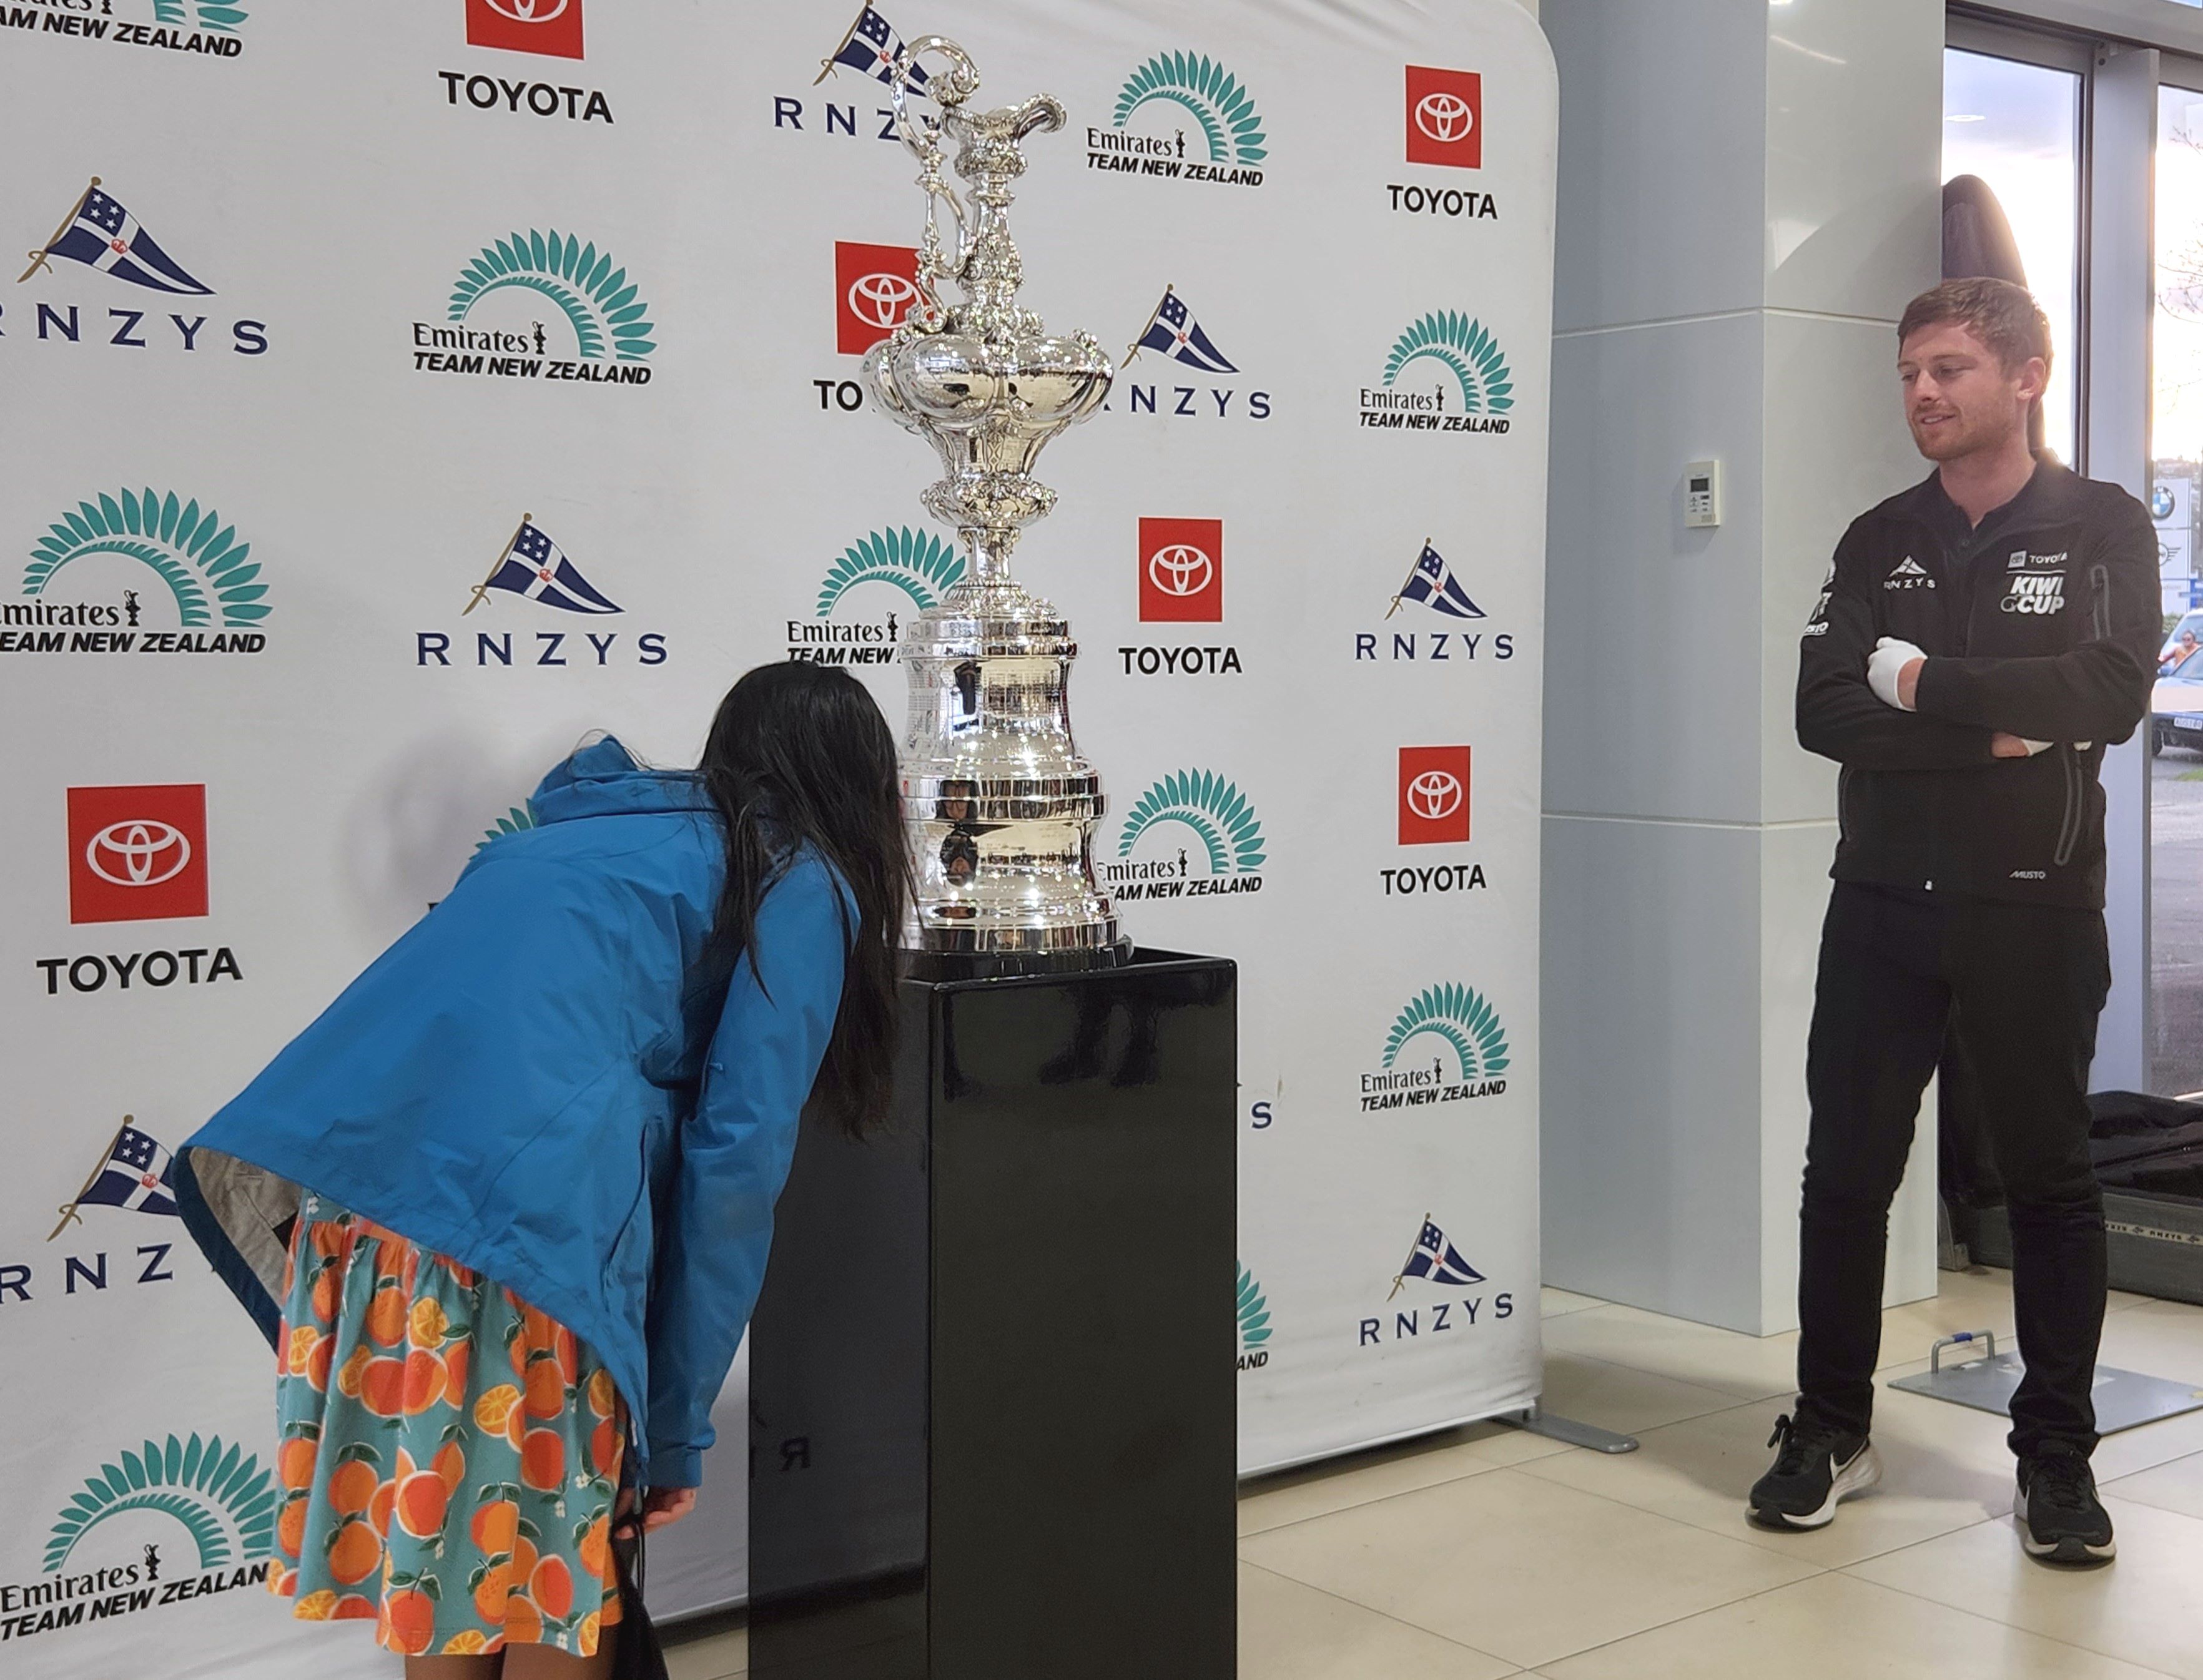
x: 2148, y: 1153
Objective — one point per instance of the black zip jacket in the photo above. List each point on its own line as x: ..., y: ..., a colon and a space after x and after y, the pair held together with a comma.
x: 2042, y: 622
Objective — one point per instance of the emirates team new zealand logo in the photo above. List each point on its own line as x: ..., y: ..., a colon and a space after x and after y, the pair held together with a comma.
x: 1254, y: 1322
x: 1192, y: 834
x: 867, y: 589
x: 201, y: 28
x: 1226, y: 145
x: 1445, y: 372
x: 1417, y: 1069
x: 583, y: 318
x: 137, y: 571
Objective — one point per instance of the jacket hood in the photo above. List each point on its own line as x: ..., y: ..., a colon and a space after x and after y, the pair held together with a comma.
x: 603, y: 780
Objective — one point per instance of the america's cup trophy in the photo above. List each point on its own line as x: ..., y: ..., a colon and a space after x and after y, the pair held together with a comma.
x: 1001, y: 805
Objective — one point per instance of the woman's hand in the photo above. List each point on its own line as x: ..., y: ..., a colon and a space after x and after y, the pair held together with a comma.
x: 661, y: 1507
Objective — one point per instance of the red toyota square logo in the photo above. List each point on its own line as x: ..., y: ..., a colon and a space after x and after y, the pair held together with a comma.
x: 137, y: 854
x: 1181, y: 571
x: 1445, y: 117
x: 874, y: 286
x: 1434, y: 795
x: 549, y: 27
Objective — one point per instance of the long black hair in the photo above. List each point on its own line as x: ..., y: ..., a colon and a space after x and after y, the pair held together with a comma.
x: 799, y: 754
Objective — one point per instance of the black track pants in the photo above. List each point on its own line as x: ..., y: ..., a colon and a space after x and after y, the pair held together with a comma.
x: 2021, y: 984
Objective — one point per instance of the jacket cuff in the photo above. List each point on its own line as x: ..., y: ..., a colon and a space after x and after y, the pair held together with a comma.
x: 673, y: 1467
x: 1931, y: 693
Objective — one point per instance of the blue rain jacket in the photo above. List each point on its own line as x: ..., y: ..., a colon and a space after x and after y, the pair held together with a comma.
x: 537, y: 1080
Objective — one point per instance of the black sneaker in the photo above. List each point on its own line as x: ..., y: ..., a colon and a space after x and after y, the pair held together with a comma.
x: 1817, y: 1467
x: 2061, y: 1520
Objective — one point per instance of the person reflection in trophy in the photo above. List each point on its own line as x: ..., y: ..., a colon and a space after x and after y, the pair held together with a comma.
x: 504, y: 1208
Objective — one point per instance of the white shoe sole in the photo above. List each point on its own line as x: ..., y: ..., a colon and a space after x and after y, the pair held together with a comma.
x: 1863, y: 1472
x: 2068, y: 1551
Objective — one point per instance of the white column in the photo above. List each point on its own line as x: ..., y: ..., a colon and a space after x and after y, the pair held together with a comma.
x: 1749, y: 196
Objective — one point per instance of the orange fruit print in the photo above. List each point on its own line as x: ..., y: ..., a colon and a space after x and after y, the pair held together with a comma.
x: 382, y: 1387
x: 455, y: 1372
x: 524, y: 1622
x: 408, y: 1624
x: 422, y: 1499
x: 290, y: 1526
x: 295, y: 1462
x: 495, y: 1408
x: 424, y: 1381
x: 552, y: 1587
x: 352, y: 1486
x: 426, y: 1324
x: 385, y: 1314
x: 546, y: 1388
x: 523, y: 1558
x: 542, y: 1460
x: 494, y: 1526
x: 450, y: 1463
x: 604, y: 1449
x: 380, y: 1507
x: 354, y: 1552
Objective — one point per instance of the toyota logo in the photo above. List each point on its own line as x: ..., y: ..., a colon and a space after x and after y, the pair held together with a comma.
x: 1444, y: 117
x: 138, y: 854
x: 529, y: 11
x: 1434, y: 794
x: 1181, y: 570
x: 881, y: 300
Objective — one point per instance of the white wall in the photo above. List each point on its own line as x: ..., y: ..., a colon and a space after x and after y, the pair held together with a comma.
x: 1748, y: 198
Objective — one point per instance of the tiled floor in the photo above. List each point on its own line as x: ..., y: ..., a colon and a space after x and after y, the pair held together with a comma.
x: 1485, y: 1553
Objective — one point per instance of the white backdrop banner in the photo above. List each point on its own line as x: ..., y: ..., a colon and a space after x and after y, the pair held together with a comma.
x: 393, y: 396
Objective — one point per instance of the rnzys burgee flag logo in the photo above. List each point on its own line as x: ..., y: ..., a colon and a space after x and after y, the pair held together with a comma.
x: 1416, y: 1068
x: 1192, y: 834
x: 1227, y: 145
x: 602, y: 308
x: 137, y: 572
x: 221, y: 1496
x: 921, y: 565
x: 1476, y: 399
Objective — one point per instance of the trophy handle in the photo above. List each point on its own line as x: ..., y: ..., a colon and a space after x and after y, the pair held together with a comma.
x: 949, y: 87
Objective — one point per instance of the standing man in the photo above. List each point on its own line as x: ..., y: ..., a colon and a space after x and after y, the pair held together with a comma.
x: 1980, y: 640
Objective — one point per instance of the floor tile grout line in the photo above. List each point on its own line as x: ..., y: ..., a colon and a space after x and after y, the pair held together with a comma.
x: 1569, y: 1656
x: 1385, y: 1615
x: 1999, y: 1621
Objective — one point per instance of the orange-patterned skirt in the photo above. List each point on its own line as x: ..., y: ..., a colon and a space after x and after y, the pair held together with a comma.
x: 450, y: 1456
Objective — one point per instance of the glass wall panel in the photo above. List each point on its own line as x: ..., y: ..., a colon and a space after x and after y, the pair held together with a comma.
x: 2176, y: 917
x: 2018, y: 127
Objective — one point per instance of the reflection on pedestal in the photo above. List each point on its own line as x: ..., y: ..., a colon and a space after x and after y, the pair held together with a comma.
x: 991, y: 1372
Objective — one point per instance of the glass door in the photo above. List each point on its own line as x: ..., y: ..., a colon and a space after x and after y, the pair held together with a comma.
x: 2016, y: 126
x: 2176, y: 725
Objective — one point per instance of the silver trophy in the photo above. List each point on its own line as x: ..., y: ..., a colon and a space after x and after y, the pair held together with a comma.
x: 1001, y: 805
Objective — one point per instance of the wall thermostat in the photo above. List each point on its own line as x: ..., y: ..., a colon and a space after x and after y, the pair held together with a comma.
x: 1702, y: 493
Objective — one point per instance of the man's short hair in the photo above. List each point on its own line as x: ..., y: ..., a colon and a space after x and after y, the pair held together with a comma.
x: 2004, y: 316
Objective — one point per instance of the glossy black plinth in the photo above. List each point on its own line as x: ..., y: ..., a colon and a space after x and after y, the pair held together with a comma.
x: 993, y: 1412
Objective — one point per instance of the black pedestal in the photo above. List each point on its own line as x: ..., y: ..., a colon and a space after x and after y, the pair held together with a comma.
x: 993, y: 1410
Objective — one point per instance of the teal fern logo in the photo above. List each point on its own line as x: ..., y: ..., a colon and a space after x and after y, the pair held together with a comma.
x: 1464, y: 1018
x: 1254, y: 1322
x: 1219, y: 815
x: 919, y: 562
x: 1210, y: 93
x: 1465, y: 347
x: 222, y: 1495
x: 520, y: 818
x: 598, y: 301
x: 197, y: 557
x: 198, y: 14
